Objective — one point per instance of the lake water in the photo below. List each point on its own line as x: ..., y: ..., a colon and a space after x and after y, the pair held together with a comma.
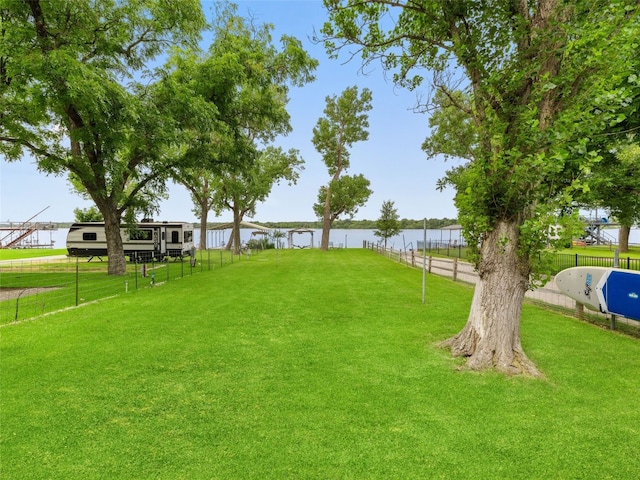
x: 343, y: 238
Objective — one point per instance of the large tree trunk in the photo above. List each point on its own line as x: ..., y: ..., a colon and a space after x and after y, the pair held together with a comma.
x: 115, y: 250
x: 230, y: 241
x: 326, y: 222
x: 237, y: 218
x: 623, y: 238
x: 491, y: 337
x: 204, y: 211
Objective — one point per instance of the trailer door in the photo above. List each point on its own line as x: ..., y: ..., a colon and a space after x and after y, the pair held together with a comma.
x: 156, y: 241
x: 163, y: 240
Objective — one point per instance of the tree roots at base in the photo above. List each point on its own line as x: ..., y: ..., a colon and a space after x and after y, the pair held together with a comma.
x: 481, y: 354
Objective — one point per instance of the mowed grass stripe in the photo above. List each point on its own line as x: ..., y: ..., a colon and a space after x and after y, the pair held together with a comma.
x: 308, y: 364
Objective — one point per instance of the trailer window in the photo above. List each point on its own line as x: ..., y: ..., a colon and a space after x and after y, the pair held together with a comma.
x: 188, y: 236
x: 142, y: 235
x: 89, y: 236
x: 175, y: 236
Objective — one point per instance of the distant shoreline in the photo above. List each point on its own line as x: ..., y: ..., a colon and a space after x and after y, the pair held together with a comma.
x: 405, y: 224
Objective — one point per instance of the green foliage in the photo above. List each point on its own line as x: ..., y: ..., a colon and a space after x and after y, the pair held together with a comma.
x: 345, y: 122
x: 91, y: 214
x: 245, y: 79
x: 72, y: 98
x: 77, y: 83
x: 346, y: 195
x: 519, y: 91
x: 388, y: 225
x: 260, y: 244
x: 241, y: 191
x: 454, y: 135
x: 615, y: 183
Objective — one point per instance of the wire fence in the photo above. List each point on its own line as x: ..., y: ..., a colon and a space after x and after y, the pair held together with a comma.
x: 30, y: 288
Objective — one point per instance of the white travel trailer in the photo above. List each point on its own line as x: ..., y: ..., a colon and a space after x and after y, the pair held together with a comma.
x: 146, y: 242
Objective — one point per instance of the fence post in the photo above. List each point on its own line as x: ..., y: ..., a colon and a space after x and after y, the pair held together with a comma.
x: 77, y: 282
x: 455, y: 268
x: 430, y: 258
x: 18, y: 304
x: 579, y: 311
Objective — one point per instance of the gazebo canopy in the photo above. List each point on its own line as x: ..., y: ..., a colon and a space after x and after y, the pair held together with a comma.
x: 452, y: 228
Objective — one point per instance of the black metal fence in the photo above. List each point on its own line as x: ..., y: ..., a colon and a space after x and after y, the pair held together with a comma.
x: 560, y: 261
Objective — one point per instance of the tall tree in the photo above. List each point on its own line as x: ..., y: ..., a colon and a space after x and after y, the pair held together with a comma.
x: 68, y: 71
x: 388, y: 225
x: 614, y: 182
x: 247, y: 79
x: 241, y: 191
x: 540, y: 79
x: 343, y: 196
x: 198, y: 180
x: 345, y: 122
x: 616, y: 185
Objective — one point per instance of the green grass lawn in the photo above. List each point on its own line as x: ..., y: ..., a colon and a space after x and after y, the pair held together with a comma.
x: 20, y: 253
x: 312, y: 365
x: 601, y: 251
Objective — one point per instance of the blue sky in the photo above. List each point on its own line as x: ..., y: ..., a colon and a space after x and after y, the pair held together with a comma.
x: 391, y: 159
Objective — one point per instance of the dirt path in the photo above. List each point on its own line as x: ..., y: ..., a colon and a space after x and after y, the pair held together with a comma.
x: 11, y: 293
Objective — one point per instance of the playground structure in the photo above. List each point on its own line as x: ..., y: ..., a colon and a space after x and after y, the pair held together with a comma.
x: 27, y: 234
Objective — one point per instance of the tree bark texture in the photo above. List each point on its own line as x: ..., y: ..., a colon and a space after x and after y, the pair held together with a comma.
x: 623, y: 238
x: 203, y: 227
x: 237, y: 218
x: 117, y: 261
x: 491, y: 336
x: 326, y: 221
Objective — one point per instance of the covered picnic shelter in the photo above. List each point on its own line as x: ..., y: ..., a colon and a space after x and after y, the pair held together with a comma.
x: 451, y: 229
x: 257, y: 230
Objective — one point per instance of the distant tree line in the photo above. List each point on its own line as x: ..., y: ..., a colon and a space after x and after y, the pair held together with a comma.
x: 405, y: 224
